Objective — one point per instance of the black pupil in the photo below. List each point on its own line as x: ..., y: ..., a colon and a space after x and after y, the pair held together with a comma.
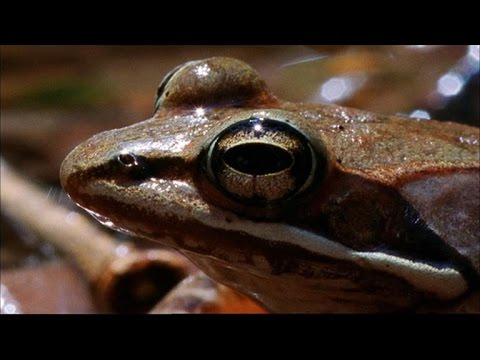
x: 258, y: 158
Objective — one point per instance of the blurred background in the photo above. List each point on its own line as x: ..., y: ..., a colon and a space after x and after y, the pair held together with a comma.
x: 54, y: 97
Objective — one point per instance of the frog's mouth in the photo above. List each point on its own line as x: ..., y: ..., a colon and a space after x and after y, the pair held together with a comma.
x: 107, y: 222
x: 176, y: 215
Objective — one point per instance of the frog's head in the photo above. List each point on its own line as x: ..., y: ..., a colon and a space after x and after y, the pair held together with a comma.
x: 304, y: 207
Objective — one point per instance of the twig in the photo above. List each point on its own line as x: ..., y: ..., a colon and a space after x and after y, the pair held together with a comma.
x: 124, y: 279
x: 198, y: 294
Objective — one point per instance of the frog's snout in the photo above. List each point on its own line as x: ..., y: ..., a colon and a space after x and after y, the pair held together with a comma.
x: 80, y: 166
x: 69, y: 174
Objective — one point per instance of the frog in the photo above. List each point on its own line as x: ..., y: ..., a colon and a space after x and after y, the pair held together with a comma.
x: 305, y: 208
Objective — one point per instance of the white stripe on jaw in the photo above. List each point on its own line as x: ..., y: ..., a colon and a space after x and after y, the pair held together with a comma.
x: 447, y: 283
x: 181, y: 199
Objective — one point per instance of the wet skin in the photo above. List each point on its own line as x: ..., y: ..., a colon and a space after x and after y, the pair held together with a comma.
x: 304, y: 207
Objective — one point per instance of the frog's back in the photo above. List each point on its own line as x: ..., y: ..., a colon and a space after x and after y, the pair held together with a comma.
x: 390, y: 148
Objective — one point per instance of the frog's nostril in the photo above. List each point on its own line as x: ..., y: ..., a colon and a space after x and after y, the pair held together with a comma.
x: 127, y: 159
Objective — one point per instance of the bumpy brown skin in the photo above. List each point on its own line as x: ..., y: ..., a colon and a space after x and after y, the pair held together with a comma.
x: 409, y: 186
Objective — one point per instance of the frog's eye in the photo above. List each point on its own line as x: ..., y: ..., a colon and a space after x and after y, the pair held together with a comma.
x: 212, y: 82
x: 262, y: 161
